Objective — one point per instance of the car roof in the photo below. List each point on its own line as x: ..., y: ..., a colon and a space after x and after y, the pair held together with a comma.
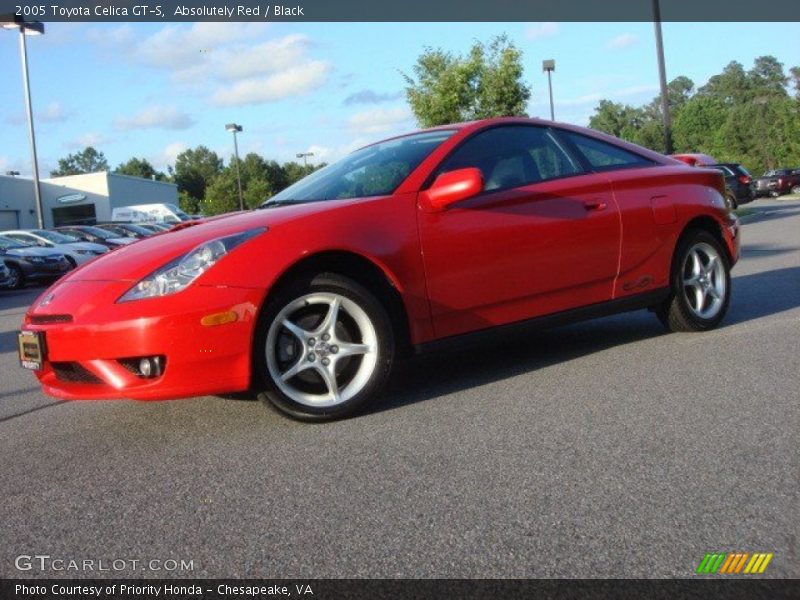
x: 469, y: 126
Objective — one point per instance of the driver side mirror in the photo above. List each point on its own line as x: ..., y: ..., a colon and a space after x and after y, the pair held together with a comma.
x: 452, y: 187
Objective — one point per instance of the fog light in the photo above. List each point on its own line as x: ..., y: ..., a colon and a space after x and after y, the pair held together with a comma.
x: 150, y: 366
x: 145, y: 368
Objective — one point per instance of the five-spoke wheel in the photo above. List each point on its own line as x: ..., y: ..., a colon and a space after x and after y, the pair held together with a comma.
x: 700, y: 284
x: 327, y: 347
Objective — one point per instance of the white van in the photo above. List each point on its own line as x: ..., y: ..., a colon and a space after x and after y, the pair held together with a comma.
x: 150, y: 213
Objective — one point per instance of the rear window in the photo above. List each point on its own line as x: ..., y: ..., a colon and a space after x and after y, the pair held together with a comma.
x: 604, y: 156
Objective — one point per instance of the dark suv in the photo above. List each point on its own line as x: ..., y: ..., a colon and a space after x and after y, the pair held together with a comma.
x: 778, y: 182
x: 739, y: 187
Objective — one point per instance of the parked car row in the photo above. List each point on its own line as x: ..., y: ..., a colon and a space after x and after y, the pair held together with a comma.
x: 740, y: 186
x: 29, y: 255
x: 778, y: 182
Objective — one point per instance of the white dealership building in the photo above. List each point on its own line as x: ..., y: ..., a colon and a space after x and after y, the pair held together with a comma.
x: 77, y: 198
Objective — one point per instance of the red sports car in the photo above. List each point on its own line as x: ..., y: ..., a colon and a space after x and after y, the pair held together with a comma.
x: 407, y: 242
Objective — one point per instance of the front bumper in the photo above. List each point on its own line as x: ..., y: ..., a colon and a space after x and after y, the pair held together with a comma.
x: 84, y: 354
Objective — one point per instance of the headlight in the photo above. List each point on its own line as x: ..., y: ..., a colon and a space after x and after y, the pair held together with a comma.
x: 178, y: 274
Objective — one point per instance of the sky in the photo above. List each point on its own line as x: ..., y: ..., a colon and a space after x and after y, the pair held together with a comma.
x: 152, y: 90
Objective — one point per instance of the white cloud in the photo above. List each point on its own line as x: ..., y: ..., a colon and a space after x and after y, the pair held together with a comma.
x: 156, y: 117
x: 167, y: 156
x: 52, y: 113
x: 230, y: 62
x: 538, y: 31
x: 295, y: 81
x: 89, y: 139
x: 379, y: 120
x: 623, y: 41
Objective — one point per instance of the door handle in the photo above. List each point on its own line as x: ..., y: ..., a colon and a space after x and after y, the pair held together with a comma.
x: 594, y: 205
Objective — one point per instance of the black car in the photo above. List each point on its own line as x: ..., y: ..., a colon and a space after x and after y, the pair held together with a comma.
x: 30, y: 263
x: 739, y: 186
x: 96, y: 235
x: 129, y: 230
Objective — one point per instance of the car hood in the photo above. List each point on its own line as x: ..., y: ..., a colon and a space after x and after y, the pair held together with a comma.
x: 26, y: 252
x: 85, y: 246
x: 135, y: 261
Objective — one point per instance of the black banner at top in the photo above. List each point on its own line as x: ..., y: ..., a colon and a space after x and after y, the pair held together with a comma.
x: 401, y: 11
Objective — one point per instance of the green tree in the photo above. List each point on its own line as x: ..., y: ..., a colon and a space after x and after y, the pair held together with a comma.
x: 732, y: 86
x: 620, y: 120
x: 87, y: 160
x: 696, y: 127
x: 794, y: 76
x: 767, y: 76
x: 221, y: 195
x: 258, y: 190
x: 487, y: 82
x: 195, y: 169
x: 140, y: 167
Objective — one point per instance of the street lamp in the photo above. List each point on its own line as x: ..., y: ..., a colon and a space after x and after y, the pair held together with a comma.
x: 233, y: 127
x: 304, y: 156
x: 25, y: 29
x: 550, y: 66
x: 662, y: 75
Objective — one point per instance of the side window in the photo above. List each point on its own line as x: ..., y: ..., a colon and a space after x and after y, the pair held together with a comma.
x: 605, y: 156
x: 512, y: 156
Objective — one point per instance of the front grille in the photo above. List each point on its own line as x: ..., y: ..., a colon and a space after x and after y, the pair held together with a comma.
x: 48, y: 319
x: 73, y: 372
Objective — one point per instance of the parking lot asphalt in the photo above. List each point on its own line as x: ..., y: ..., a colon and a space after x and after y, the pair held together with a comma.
x: 603, y: 449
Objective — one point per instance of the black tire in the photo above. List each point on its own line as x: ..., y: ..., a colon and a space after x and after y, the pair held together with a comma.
x: 796, y: 189
x: 16, y: 278
x: 266, y: 387
x: 676, y: 313
x: 730, y: 200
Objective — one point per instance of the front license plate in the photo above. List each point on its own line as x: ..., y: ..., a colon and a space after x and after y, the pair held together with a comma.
x: 31, y: 349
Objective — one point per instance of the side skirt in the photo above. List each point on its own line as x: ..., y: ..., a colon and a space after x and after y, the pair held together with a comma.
x: 574, y: 315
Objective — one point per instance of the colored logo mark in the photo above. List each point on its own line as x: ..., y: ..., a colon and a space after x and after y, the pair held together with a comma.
x: 728, y: 563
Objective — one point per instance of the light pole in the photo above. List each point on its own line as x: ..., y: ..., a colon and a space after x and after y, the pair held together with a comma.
x: 550, y: 66
x: 237, y: 129
x: 26, y: 29
x: 662, y: 75
x: 304, y: 156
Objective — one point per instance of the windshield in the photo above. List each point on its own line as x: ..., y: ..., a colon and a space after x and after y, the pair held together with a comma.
x: 9, y: 244
x: 97, y: 232
x: 181, y: 215
x: 56, y: 238
x: 376, y: 170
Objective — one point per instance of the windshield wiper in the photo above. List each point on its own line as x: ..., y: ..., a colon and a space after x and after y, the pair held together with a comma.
x: 276, y: 203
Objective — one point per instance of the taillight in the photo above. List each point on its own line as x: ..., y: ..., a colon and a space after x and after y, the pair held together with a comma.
x: 744, y: 180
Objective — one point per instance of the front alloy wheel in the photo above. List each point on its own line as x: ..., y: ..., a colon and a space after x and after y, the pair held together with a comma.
x: 327, y: 350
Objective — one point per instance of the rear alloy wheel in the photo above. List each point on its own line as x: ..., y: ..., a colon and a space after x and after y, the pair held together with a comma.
x: 796, y: 189
x: 700, y: 284
x: 326, y: 348
x: 730, y: 201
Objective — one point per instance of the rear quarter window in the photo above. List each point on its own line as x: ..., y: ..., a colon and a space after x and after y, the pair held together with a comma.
x: 603, y: 156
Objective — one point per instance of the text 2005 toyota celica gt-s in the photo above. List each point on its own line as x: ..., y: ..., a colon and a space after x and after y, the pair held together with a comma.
x: 310, y: 299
